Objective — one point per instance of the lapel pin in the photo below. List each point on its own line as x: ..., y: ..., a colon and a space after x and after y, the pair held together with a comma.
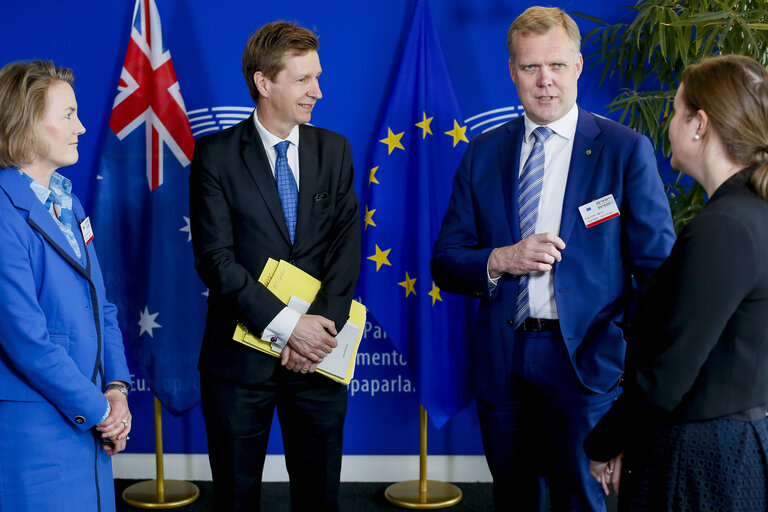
x: 589, y: 152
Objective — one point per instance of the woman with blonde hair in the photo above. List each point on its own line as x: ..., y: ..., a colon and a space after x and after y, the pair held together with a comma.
x: 690, y: 431
x: 63, y: 375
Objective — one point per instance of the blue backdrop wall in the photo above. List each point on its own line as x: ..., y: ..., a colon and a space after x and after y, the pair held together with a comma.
x: 360, y: 46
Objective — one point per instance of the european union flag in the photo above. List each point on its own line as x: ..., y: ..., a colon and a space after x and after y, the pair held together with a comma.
x: 141, y: 218
x: 421, y: 143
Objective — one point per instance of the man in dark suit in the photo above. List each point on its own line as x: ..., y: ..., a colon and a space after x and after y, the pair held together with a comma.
x: 552, y: 217
x: 274, y: 187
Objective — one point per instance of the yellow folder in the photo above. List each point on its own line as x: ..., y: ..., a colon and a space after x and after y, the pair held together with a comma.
x: 297, y: 290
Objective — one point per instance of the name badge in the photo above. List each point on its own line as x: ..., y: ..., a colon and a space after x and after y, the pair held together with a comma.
x: 599, y: 210
x: 85, y: 228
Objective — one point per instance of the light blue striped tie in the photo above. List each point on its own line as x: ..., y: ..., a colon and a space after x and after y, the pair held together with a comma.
x: 286, y: 187
x: 528, y: 194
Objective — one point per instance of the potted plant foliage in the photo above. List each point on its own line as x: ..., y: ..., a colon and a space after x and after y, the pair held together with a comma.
x: 649, y: 55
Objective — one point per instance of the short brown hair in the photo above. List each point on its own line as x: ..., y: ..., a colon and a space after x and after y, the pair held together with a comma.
x: 733, y: 91
x: 540, y: 20
x: 23, y: 96
x: 268, y: 47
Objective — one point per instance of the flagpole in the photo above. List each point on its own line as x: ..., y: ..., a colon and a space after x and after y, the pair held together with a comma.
x: 423, y: 494
x: 160, y: 493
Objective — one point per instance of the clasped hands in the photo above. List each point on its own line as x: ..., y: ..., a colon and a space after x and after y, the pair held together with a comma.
x: 115, y: 429
x: 311, y: 340
x: 535, y: 253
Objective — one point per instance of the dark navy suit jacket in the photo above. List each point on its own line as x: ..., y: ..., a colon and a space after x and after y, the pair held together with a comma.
x: 237, y: 225
x: 594, y: 283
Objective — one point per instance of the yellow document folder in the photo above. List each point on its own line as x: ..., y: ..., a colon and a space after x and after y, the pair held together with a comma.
x: 297, y: 290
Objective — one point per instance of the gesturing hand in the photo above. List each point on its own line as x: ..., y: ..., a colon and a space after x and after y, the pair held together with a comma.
x: 536, y: 253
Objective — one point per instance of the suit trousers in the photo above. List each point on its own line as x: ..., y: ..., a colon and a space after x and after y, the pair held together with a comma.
x: 534, y: 439
x: 311, y: 409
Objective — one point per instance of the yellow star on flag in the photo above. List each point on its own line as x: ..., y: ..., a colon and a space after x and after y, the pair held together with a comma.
x: 372, y: 176
x: 392, y: 140
x: 380, y: 258
x: 458, y: 133
x: 408, y: 285
x: 424, y: 125
x: 435, y: 293
x: 369, y: 217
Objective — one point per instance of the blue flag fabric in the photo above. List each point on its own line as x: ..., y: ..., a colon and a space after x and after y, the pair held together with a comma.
x: 141, y: 219
x: 421, y: 144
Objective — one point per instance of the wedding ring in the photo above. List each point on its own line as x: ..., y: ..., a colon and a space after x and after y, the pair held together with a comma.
x: 609, y: 471
x: 125, y: 423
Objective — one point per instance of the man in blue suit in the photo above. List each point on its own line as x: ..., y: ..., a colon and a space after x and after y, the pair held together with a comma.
x: 553, y: 218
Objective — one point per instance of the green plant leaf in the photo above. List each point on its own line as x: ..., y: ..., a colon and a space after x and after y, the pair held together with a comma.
x: 588, y: 17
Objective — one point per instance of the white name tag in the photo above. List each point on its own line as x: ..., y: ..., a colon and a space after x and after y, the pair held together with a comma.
x: 599, y: 210
x: 85, y: 228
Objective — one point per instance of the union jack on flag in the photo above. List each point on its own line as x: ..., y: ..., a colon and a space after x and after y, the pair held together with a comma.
x: 149, y: 95
x: 142, y: 233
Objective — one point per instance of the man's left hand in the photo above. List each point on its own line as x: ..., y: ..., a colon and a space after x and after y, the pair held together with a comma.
x: 295, y: 362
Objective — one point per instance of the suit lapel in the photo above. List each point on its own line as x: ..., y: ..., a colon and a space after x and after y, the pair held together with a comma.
x: 584, y: 159
x: 255, y: 160
x: 509, y: 162
x: 23, y: 198
x: 309, y: 168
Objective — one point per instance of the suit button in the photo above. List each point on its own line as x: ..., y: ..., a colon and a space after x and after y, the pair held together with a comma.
x: 511, y: 322
x: 79, y: 420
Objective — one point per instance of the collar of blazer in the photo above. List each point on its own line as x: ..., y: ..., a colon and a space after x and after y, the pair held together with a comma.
x: 255, y: 160
x: 584, y: 158
x: 34, y: 213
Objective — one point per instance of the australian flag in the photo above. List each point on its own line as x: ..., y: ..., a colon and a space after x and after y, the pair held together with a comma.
x: 141, y: 218
x: 421, y: 142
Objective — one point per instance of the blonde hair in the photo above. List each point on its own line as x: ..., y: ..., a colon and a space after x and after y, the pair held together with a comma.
x: 733, y: 91
x: 540, y: 20
x: 23, y: 100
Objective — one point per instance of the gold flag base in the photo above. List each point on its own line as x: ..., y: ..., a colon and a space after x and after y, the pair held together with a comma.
x: 177, y: 494
x: 423, y: 494
x: 160, y: 493
x: 438, y: 495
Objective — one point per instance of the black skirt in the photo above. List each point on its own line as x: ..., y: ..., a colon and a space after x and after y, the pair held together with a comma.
x: 716, y: 465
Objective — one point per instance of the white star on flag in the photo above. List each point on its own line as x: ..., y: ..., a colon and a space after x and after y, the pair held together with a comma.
x: 147, y: 322
x: 187, y: 229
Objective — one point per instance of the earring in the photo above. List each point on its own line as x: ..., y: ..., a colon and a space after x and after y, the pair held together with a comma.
x: 696, y: 137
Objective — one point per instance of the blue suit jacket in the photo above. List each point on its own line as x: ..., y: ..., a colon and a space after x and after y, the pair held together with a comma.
x: 55, y: 319
x: 593, y: 283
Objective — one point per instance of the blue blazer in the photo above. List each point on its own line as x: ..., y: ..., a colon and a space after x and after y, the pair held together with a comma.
x: 593, y: 283
x: 59, y: 339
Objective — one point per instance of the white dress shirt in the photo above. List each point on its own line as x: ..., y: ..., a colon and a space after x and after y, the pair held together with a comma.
x: 280, y: 328
x: 557, y: 159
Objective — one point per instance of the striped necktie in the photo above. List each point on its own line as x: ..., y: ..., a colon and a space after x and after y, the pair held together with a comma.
x: 286, y: 187
x: 528, y: 194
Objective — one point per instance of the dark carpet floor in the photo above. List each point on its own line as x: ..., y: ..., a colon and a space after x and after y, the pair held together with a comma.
x: 354, y: 497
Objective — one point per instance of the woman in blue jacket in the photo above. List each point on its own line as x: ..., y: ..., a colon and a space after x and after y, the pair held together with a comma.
x: 63, y: 375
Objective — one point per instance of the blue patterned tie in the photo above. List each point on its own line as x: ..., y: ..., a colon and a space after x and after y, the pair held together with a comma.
x: 528, y: 194
x: 286, y: 187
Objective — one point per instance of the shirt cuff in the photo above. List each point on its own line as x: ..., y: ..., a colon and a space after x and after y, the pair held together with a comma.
x: 492, y: 281
x: 281, y: 327
x: 106, y: 414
